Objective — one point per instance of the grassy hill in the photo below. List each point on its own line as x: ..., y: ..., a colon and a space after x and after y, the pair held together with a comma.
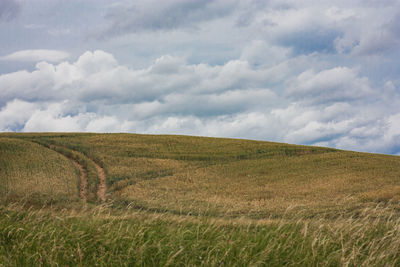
x: 35, y: 173
x: 180, y: 200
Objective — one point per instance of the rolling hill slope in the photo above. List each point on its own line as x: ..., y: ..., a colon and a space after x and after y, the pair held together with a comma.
x: 32, y: 172
x: 181, y: 200
x: 227, y: 176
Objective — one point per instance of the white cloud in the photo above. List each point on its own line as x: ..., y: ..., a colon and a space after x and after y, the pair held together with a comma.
x: 105, y: 124
x: 14, y: 114
x: 37, y: 55
x: 53, y: 119
x: 333, y: 85
x: 329, y: 106
x: 95, y: 62
x: 167, y: 65
x: 97, y: 76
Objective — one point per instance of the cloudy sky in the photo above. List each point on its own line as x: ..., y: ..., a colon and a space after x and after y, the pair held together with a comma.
x: 307, y: 72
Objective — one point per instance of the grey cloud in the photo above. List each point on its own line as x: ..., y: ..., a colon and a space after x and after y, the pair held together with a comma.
x: 262, y: 54
x: 35, y: 86
x: 333, y: 85
x: 208, y: 105
x: 372, y: 31
x: 137, y: 16
x: 296, y: 25
x: 248, y: 9
x: 9, y: 9
x: 311, y: 40
x: 350, y: 27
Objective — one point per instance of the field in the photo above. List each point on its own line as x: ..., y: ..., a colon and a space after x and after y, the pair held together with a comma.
x: 126, y: 199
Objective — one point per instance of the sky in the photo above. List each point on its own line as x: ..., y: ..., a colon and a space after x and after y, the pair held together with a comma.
x: 310, y: 72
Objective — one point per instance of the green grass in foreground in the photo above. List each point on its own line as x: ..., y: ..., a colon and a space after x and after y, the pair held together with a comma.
x: 96, y: 237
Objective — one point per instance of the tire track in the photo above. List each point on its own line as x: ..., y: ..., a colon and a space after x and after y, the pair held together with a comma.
x: 83, y: 181
x: 102, y: 186
x: 83, y: 186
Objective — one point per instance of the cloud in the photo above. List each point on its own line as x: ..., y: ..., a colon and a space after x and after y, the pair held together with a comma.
x: 289, y: 101
x: 305, y: 28
x: 14, y: 115
x: 206, y: 105
x: 137, y: 16
x: 52, y: 119
x: 96, y: 76
x: 37, y: 55
x: 309, y: 72
x: 371, y: 30
x: 108, y: 124
x: 262, y: 54
x: 350, y: 27
x: 169, y: 86
x: 9, y: 9
x: 332, y: 85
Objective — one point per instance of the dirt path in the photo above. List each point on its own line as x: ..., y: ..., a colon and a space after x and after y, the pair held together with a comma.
x: 102, y: 178
x: 102, y: 183
x: 83, y: 181
x: 102, y: 186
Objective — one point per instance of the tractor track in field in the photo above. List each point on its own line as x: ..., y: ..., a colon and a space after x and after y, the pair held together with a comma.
x: 83, y: 184
x: 102, y: 186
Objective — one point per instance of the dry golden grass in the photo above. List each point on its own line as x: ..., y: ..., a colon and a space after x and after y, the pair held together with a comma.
x: 31, y: 172
x: 268, y: 186
x: 233, y: 177
x: 179, y: 200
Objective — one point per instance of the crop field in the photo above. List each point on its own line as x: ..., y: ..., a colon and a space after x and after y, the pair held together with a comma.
x: 131, y: 200
x: 35, y: 173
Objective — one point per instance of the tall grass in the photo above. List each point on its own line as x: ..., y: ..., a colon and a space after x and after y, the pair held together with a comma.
x: 179, y: 200
x: 33, y: 173
x: 219, y: 175
x: 88, y: 166
x: 98, y: 237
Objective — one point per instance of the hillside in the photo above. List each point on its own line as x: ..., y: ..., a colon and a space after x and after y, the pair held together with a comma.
x: 219, y: 176
x: 33, y: 172
x: 189, y: 181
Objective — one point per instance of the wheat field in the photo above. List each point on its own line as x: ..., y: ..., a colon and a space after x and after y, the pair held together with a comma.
x: 181, y: 200
x: 33, y: 172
